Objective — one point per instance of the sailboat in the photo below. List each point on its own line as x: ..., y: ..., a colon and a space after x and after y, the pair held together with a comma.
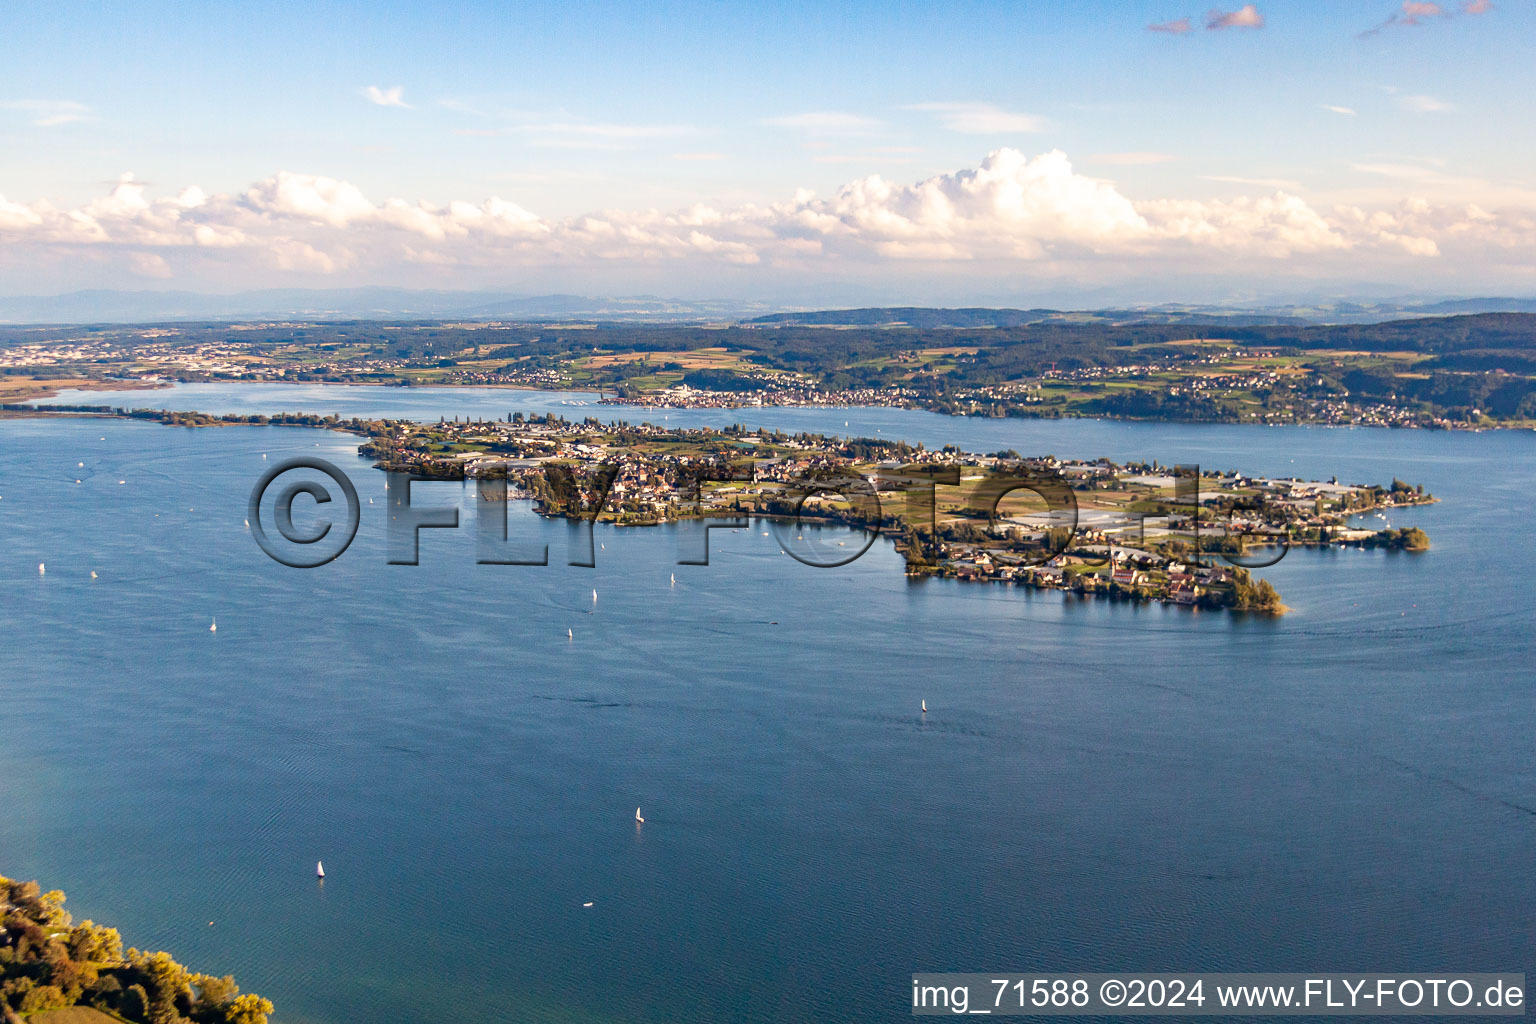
x: 42, y: 570
x: 569, y: 635
x: 674, y: 579
x: 594, y: 597
x: 93, y: 574
x: 213, y: 627
x: 638, y: 820
x: 319, y: 869
x: 925, y: 705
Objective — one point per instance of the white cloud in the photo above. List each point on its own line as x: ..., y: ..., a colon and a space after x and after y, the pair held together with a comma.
x: 50, y: 113
x: 1416, y: 11
x: 597, y: 135
x: 1177, y: 27
x: 1280, y: 183
x: 1346, y: 111
x: 981, y: 118
x: 394, y: 96
x: 1425, y: 104
x: 1010, y: 214
x: 149, y: 264
x: 1246, y: 16
x: 827, y: 122
x: 1426, y: 177
x: 1135, y: 159
x: 559, y: 129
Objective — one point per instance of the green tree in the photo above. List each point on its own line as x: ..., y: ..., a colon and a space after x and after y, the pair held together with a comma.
x: 106, y: 992
x: 43, y: 997
x: 168, y: 984
x: 90, y: 944
x: 135, y: 1004
x: 53, y: 912
x: 248, y: 1009
x: 215, y: 992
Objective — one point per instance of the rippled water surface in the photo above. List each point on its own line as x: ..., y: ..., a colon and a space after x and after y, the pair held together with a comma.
x: 1096, y: 786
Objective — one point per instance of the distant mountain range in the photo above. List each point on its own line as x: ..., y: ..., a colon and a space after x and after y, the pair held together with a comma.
x: 103, y: 306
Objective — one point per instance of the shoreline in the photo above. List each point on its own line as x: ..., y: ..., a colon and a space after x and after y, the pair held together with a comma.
x: 10, y: 401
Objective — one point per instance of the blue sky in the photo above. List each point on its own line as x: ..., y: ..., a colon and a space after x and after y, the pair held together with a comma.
x: 565, y: 110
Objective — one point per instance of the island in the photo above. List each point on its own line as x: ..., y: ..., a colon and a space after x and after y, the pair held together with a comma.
x: 54, y: 971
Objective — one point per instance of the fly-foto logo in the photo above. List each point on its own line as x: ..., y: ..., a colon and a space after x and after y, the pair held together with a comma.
x: 901, y: 500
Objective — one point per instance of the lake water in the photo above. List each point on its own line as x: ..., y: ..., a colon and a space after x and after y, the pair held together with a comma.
x: 1097, y: 786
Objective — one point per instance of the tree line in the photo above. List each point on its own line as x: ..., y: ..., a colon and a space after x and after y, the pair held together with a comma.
x: 48, y: 962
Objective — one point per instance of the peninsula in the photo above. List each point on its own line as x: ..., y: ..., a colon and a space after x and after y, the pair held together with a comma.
x: 1138, y: 531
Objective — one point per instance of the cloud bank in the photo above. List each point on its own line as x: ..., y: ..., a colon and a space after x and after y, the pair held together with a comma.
x: 1011, y: 214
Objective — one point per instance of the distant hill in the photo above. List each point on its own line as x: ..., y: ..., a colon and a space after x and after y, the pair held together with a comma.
x: 1452, y: 306
x: 926, y: 318
x: 1333, y: 313
x: 104, y: 306
x: 1479, y: 341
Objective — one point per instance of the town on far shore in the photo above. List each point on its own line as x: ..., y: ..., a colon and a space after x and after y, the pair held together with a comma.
x: 1451, y: 372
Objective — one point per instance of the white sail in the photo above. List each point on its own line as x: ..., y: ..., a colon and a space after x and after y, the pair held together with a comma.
x: 319, y: 869
x: 638, y: 817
